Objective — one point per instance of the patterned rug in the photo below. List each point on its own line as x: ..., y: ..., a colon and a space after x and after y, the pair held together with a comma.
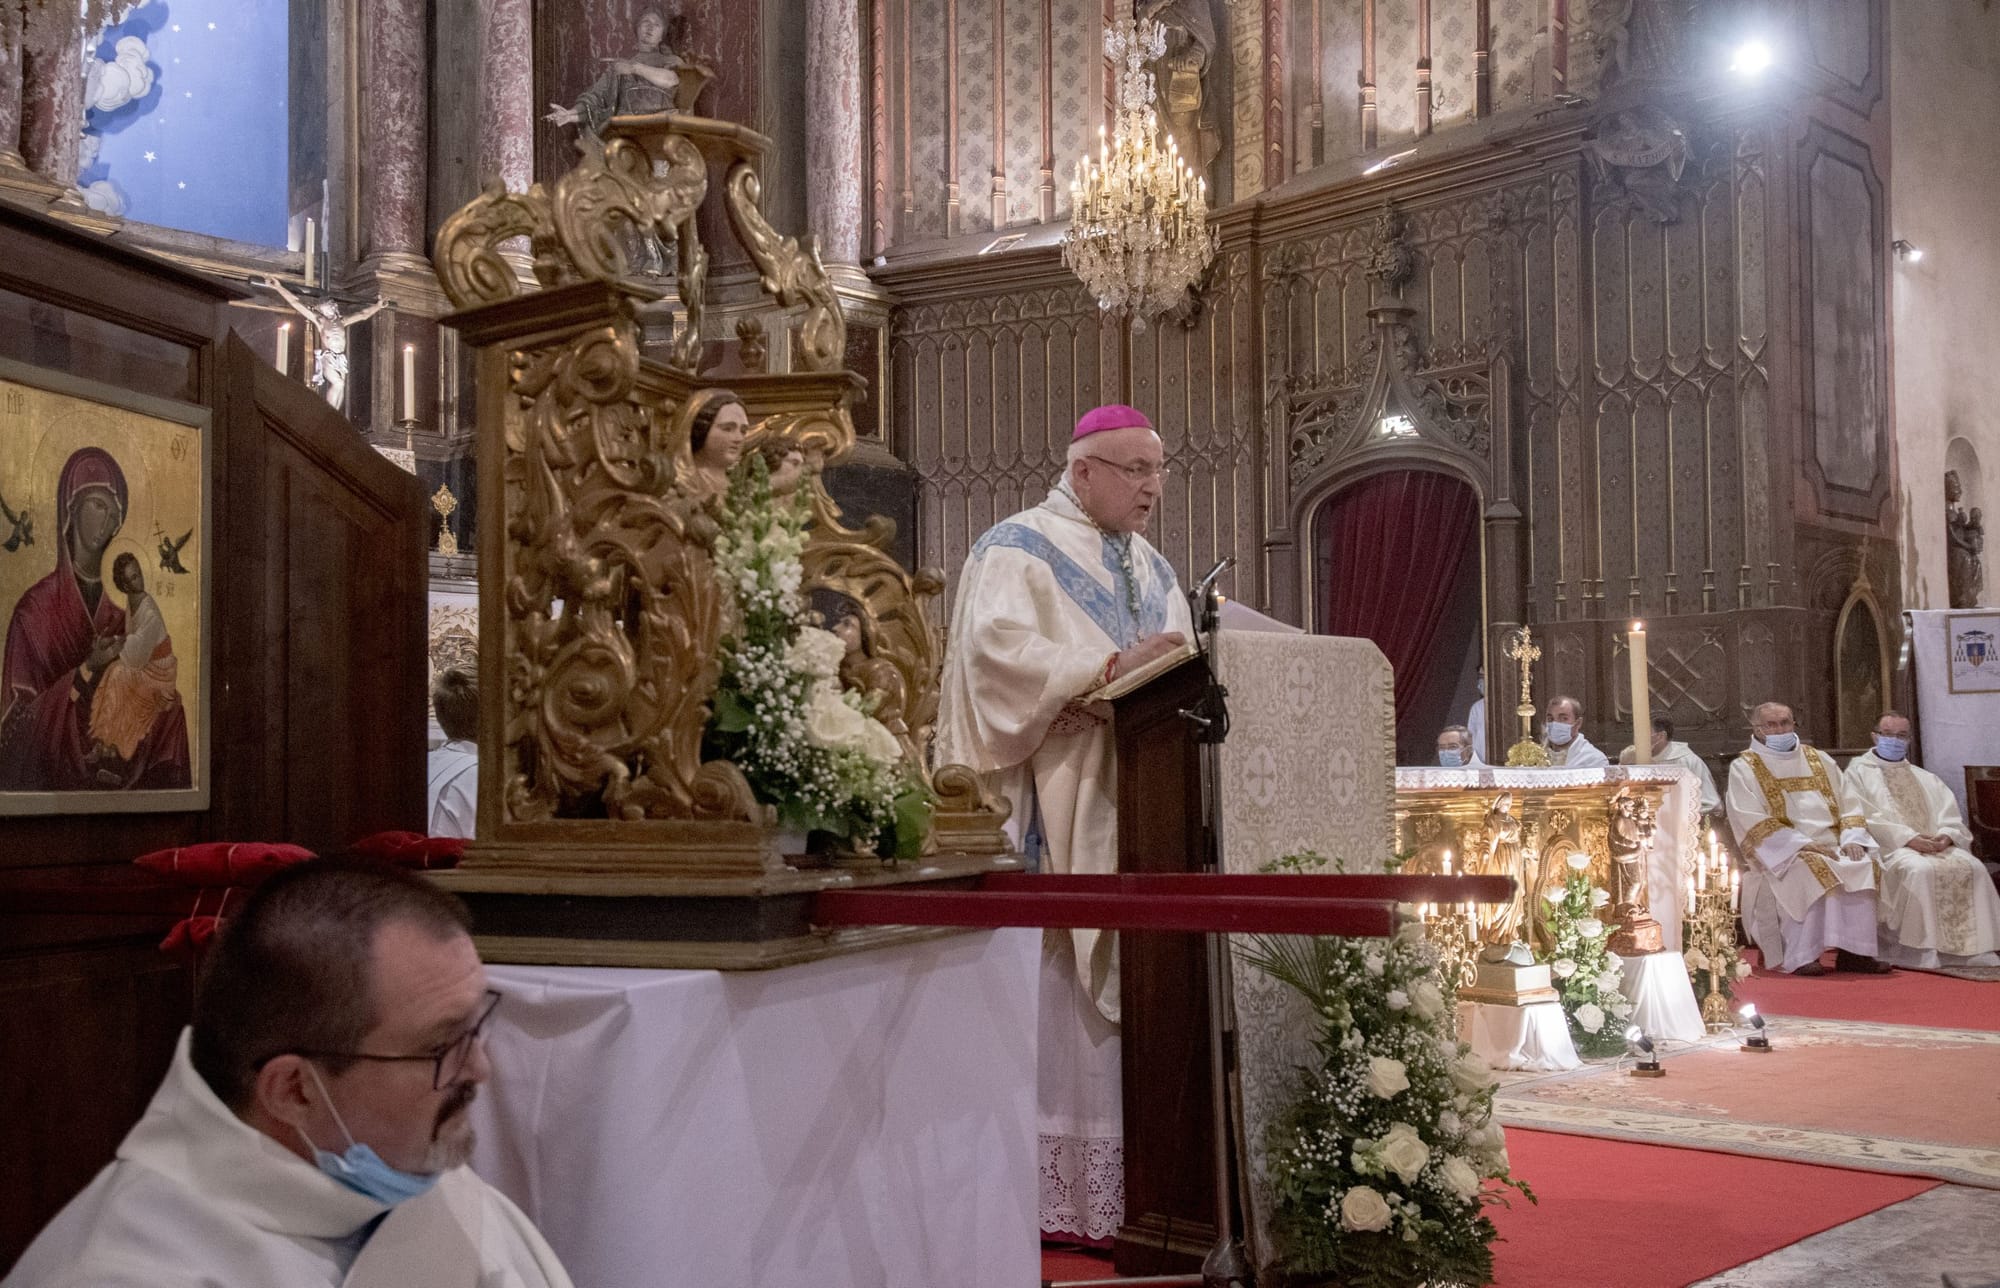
x: 1983, y: 974
x: 1837, y: 1093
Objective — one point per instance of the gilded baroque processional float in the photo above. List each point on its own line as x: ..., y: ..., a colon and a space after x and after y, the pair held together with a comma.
x: 605, y: 622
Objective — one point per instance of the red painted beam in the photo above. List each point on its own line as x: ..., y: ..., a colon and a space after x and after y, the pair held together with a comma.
x: 1429, y: 888
x: 1240, y: 914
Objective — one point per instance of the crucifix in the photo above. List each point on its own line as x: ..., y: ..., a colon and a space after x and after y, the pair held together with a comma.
x: 1522, y: 648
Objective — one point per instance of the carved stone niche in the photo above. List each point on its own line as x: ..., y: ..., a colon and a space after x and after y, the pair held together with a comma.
x: 604, y: 835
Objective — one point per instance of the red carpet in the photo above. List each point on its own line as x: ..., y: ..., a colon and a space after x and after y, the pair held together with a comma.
x: 1059, y: 1264
x: 1905, y: 997
x: 1679, y: 1215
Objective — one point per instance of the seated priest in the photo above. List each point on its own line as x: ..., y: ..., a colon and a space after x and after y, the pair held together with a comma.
x: 1936, y: 906
x: 1562, y: 737
x: 1809, y: 883
x: 1668, y: 752
x: 312, y: 1127
x: 1456, y: 748
x: 1054, y: 602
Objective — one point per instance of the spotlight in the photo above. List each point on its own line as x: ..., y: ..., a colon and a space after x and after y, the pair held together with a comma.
x: 1908, y: 252
x: 1649, y: 1059
x: 1752, y: 58
x: 1759, y: 1040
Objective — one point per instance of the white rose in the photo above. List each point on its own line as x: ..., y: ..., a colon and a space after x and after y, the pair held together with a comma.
x: 1398, y: 1000
x: 816, y: 653
x: 1489, y: 1144
x: 1589, y: 927
x: 1470, y: 1073
x: 1404, y: 1152
x: 1695, y: 959
x: 1589, y: 1018
x: 1742, y: 970
x: 1373, y: 962
x: 1427, y: 1000
x: 1563, y: 967
x: 1578, y: 860
x: 878, y: 744
x: 1450, y: 1123
x: 1362, y: 1209
x: 1611, y: 980
x: 1599, y: 896
x: 1619, y: 1006
x: 1460, y: 1178
x: 830, y: 722
x: 1387, y: 1077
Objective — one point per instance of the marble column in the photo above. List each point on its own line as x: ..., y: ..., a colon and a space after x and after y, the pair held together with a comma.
x: 506, y: 95
x: 833, y: 128
x: 51, y: 117
x: 395, y: 120
x: 10, y: 86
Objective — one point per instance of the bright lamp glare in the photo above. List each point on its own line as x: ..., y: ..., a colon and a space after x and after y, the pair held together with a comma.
x: 1748, y: 1010
x: 1633, y: 1033
x: 1752, y: 58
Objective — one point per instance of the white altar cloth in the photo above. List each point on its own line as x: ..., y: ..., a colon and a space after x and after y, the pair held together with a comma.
x: 867, y: 1120
x: 1677, y: 830
x: 1534, y: 1037
x: 1662, y: 996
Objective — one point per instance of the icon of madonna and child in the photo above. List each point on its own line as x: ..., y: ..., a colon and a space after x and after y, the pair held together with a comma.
x: 89, y: 684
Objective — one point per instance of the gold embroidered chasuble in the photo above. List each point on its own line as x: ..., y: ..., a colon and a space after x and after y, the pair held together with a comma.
x: 1792, y: 818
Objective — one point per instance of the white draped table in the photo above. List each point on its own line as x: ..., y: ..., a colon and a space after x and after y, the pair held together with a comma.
x: 867, y: 1120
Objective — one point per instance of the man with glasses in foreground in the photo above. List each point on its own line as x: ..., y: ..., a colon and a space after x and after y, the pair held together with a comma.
x: 312, y: 1128
x: 1054, y: 603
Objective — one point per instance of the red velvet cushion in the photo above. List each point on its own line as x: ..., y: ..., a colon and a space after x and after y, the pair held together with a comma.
x: 222, y: 863
x: 412, y: 849
x: 193, y: 932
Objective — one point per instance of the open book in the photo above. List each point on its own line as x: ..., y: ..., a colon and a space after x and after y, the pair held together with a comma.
x: 1143, y: 676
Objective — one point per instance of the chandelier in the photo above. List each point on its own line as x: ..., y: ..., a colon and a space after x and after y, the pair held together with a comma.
x: 1138, y: 225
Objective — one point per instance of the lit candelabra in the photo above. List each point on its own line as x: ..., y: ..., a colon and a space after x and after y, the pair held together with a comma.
x: 1708, y: 933
x: 1453, y: 929
x: 1138, y: 235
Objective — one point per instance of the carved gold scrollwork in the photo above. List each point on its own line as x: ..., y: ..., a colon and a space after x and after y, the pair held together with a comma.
x: 790, y: 269
x: 968, y: 816
x: 613, y: 611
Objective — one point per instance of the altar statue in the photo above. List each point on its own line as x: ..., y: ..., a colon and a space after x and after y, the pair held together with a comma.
x: 643, y: 82
x: 1629, y: 838
x: 326, y: 334
x: 1965, y: 541
x: 1181, y: 74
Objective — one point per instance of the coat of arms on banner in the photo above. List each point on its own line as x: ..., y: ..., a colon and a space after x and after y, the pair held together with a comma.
x: 1974, y: 639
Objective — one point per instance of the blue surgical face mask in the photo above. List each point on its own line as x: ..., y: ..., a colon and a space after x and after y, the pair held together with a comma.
x: 360, y: 1168
x: 1560, y: 733
x: 1887, y: 748
x: 1782, y: 743
x: 1450, y: 758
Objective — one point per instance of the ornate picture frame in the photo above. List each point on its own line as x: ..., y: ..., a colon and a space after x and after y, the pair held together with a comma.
x: 106, y: 665
x: 1972, y: 651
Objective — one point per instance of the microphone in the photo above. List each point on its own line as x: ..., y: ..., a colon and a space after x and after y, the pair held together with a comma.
x: 1207, y: 583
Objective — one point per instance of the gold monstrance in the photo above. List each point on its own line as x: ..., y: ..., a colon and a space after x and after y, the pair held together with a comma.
x: 1527, y: 752
x: 444, y: 503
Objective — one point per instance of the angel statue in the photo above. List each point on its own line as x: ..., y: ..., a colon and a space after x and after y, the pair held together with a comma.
x: 326, y: 332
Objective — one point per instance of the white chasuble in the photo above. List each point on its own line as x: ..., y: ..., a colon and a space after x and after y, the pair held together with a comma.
x: 1935, y: 909
x: 1045, y: 599
x: 1791, y: 820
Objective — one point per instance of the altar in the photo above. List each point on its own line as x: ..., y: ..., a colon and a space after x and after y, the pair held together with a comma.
x: 863, y: 1121
x: 1445, y: 820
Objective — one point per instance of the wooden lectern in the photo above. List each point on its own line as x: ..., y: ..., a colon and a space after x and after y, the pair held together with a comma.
x: 1169, y: 1154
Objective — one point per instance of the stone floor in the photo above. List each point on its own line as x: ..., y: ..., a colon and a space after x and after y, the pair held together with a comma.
x: 1912, y: 1244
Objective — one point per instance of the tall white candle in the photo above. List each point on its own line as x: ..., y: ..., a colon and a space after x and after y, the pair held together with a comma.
x: 312, y: 266
x: 409, y: 382
x: 284, y: 348
x: 1642, y: 697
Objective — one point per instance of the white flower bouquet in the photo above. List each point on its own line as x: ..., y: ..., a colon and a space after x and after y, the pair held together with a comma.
x: 1384, y: 1163
x: 1586, y: 979
x: 807, y: 745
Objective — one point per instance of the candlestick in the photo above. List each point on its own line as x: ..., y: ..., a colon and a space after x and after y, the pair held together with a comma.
x: 1735, y: 884
x: 1642, y: 696
x: 312, y: 268
x: 284, y: 348
x: 410, y: 382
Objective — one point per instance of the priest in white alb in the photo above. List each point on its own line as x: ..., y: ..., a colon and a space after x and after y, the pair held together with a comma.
x: 1811, y: 864
x: 1937, y: 905
x: 1666, y: 751
x: 1562, y: 737
x: 1053, y: 603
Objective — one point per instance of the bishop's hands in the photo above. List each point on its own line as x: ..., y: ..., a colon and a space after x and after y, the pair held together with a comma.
x: 1930, y: 844
x: 1146, y: 650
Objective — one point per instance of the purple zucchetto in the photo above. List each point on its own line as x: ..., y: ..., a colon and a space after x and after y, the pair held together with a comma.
x: 1110, y: 416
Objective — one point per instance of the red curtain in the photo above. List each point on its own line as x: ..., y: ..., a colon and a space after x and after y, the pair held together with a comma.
x: 1390, y: 550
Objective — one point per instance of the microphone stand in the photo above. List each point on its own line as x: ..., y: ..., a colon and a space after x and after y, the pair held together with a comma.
x: 1226, y: 1265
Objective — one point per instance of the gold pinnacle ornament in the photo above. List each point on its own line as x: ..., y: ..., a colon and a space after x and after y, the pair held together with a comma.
x: 444, y: 503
